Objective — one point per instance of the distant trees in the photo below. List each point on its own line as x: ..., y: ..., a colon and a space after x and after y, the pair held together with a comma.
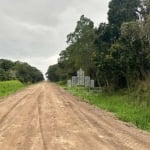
x: 116, y: 54
x: 53, y: 74
x: 17, y: 70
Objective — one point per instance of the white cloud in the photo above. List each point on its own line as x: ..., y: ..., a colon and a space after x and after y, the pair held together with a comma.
x: 35, y: 30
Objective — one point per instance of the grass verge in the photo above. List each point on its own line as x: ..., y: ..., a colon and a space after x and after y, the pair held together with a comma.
x: 9, y: 87
x: 118, y: 104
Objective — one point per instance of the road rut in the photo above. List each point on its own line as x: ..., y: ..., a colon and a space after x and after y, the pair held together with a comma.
x: 46, y: 117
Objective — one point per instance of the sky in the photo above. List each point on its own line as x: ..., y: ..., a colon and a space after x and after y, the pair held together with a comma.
x: 34, y: 31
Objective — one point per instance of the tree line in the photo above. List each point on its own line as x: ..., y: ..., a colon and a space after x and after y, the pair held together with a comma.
x: 23, y: 72
x: 116, y: 54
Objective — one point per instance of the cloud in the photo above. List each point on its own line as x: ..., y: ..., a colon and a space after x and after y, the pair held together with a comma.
x: 35, y: 30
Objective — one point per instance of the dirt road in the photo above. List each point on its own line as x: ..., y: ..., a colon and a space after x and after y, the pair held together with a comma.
x: 45, y: 117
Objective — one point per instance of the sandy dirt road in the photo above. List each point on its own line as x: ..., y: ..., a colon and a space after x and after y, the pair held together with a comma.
x: 45, y: 117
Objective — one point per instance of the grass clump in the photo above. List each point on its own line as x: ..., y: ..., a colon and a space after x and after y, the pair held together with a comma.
x: 9, y: 87
x: 62, y: 83
x: 117, y: 103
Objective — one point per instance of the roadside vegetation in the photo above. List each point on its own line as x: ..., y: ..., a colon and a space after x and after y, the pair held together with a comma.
x: 9, y: 87
x: 21, y: 71
x: 124, y: 108
x: 117, y: 56
x: 15, y: 75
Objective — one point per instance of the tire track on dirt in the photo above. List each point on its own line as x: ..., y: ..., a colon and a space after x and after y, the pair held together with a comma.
x: 86, y: 122
x: 122, y: 135
x: 49, y: 118
x: 30, y: 128
x: 14, y: 106
x: 82, y: 122
x: 19, y: 122
x: 40, y: 122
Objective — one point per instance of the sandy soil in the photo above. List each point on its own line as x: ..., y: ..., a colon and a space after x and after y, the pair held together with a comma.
x: 45, y: 117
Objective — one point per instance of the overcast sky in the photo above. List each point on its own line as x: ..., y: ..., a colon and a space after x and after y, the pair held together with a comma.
x: 35, y: 31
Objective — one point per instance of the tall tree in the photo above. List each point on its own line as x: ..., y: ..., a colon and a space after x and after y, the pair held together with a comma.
x: 81, y: 43
x: 123, y: 11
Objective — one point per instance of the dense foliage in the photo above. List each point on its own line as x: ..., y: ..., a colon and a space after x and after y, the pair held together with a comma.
x: 17, y: 70
x: 116, y: 54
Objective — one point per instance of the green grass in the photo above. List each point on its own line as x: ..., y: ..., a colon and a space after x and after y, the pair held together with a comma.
x: 61, y: 83
x: 9, y: 87
x: 118, y: 104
